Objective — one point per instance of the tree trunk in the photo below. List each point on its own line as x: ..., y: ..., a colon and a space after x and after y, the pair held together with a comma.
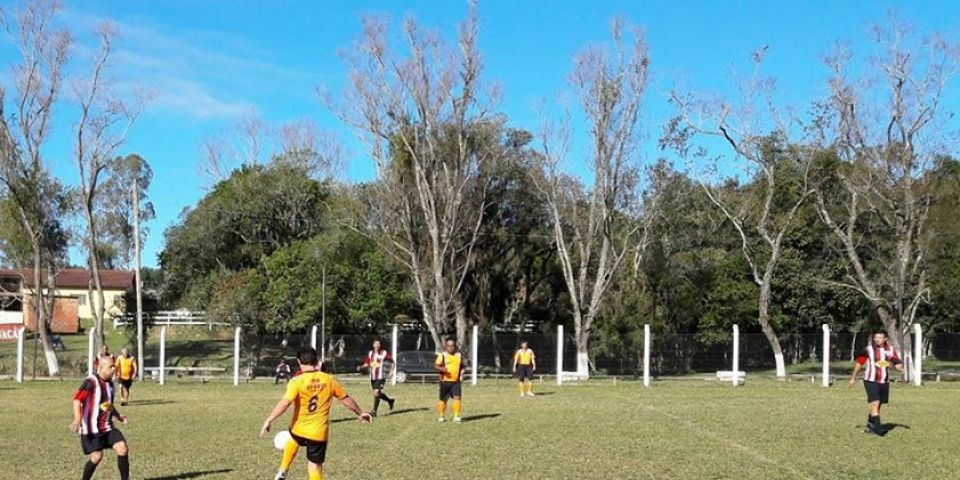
x: 53, y: 366
x: 764, y: 319
x: 582, y: 337
x: 460, y: 313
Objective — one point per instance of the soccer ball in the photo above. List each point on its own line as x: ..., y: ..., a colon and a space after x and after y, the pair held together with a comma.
x: 281, y: 438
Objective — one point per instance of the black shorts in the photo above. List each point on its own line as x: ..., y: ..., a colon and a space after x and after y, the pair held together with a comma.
x: 316, y: 450
x: 525, y: 372
x: 98, y: 442
x: 378, y: 384
x: 449, y: 390
x: 877, y: 392
x: 126, y: 383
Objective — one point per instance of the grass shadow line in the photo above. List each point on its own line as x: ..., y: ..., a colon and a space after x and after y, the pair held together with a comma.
x: 187, y: 475
x: 474, y: 418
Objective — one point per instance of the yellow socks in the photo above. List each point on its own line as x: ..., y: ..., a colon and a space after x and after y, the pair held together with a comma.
x: 520, y: 387
x: 315, y: 474
x: 456, y: 408
x: 530, y: 388
x: 441, y: 407
x: 289, y: 453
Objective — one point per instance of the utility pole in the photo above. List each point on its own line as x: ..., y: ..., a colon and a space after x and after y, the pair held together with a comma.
x: 323, y: 313
x: 136, y: 250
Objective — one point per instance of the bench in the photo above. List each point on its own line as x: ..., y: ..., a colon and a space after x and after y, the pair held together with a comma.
x: 727, y: 376
x: 155, y: 371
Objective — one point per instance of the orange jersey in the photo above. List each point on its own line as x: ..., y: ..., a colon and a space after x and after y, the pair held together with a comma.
x: 126, y: 367
x: 312, y: 394
x: 452, y: 364
x: 524, y: 357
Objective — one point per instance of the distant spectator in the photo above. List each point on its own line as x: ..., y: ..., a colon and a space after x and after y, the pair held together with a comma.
x: 282, y: 372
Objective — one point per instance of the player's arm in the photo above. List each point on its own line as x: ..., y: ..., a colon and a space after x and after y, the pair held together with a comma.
x: 133, y: 370
x: 278, y: 410
x: 516, y: 358
x: 365, y: 364
x: 340, y: 394
x: 393, y: 364
x: 857, y: 366
x: 463, y: 369
x: 897, y: 362
x: 533, y: 361
x: 82, y: 393
x: 116, y: 414
x: 439, y: 365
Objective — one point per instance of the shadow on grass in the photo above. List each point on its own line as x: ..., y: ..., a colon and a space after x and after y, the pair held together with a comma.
x: 409, y: 410
x: 186, y: 475
x: 474, y: 418
x: 544, y: 394
x: 150, y: 402
x: 889, y: 427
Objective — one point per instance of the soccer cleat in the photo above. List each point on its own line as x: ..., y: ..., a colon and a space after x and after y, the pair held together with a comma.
x: 530, y: 394
x: 457, y: 420
x: 280, y: 476
x: 391, y: 402
x: 523, y: 395
x: 441, y: 420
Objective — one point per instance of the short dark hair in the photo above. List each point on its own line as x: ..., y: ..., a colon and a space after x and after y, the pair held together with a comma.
x: 884, y: 332
x: 450, y: 339
x: 307, y: 356
x: 522, y: 341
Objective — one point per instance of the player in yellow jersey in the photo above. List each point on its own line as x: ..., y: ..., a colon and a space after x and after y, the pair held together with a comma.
x: 311, y: 393
x: 524, y: 364
x: 126, y: 367
x: 450, y: 366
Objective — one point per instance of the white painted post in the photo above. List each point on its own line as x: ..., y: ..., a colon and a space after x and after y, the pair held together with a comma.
x: 236, y: 356
x: 559, y: 354
x: 736, y: 354
x: 646, y: 355
x: 393, y: 353
x: 20, y: 334
x: 474, y: 339
x: 826, y: 355
x: 313, y: 337
x: 163, y: 354
x: 917, y: 355
x: 91, y: 342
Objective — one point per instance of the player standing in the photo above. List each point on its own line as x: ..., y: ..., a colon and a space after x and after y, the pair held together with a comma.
x: 524, y: 364
x: 126, y: 369
x: 876, y: 380
x: 93, y: 413
x: 311, y: 393
x: 374, y: 363
x: 450, y: 366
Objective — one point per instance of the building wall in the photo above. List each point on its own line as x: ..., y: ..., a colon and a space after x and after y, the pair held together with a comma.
x: 85, y: 305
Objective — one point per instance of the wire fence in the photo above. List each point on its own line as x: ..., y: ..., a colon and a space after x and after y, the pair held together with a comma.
x: 204, y: 353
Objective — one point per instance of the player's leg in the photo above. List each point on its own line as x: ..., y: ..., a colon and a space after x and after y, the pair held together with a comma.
x: 442, y: 403
x: 456, y: 393
x: 290, y: 450
x: 123, y: 459
x: 376, y: 401
x: 91, y: 465
x: 316, y: 455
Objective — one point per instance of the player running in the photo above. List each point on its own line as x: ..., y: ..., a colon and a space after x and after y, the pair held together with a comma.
x: 450, y: 366
x: 374, y: 362
x: 126, y: 370
x: 876, y: 380
x: 311, y: 393
x: 93, y: 414
x: 524, y: 364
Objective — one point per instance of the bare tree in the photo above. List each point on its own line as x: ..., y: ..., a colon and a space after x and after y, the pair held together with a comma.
x: 888, y: 127
x: 24, y: 175
x: 251, y: 141
x: 768, y: 150
x: 105, y: 119
x: 595, y: 228
x: 425, y: 120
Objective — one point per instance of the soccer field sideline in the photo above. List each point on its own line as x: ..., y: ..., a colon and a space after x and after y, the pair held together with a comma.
x: 594, y: 430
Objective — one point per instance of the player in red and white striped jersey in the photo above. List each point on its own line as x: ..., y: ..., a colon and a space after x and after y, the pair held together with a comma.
x: 878, y: 357
x: 375, y: 364
x: 93, y: 414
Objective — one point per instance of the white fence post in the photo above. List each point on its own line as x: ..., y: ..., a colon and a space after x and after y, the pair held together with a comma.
x: 646, y: 355
x: 559, y: 354
x: 313, y: 337
x: 163, y: 354
x: 917, y: 354
x: 474, y: 339
x: 393, y: 353
x: 236, y: 356
x: 826, y: 355
x: 736, y: 354
x: 20, y: 334
x: 91, y: 342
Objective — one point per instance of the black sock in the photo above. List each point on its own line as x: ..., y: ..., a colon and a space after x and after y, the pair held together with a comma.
x: 376, y: 404
x: 385, y: 397
x: 123, y: 464
x: 88, y: 470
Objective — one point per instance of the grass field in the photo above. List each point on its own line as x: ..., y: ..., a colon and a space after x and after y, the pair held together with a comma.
x: 696, y: 430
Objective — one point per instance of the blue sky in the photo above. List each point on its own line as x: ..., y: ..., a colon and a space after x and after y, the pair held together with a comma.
x: 211, y: 63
